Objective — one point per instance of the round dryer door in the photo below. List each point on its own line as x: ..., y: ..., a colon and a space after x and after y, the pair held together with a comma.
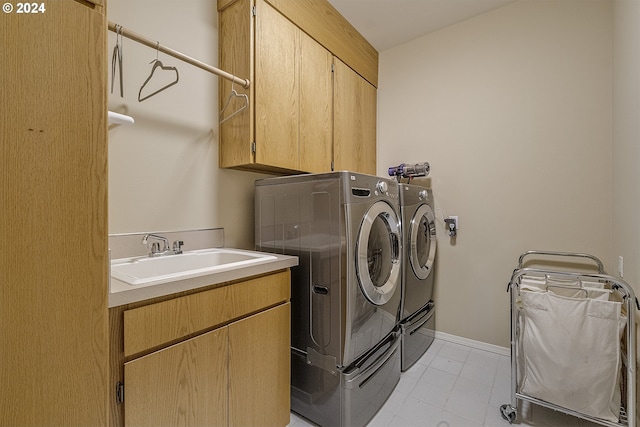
x: 422, y: 241
x: 378, y: 253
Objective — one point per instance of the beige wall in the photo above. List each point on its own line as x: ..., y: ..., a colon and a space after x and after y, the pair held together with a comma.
x: 626, y: 138
x: 513, y: 111
x: 163, y: 171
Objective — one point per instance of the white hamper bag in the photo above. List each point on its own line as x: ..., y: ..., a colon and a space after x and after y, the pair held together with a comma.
x: 570, y: 352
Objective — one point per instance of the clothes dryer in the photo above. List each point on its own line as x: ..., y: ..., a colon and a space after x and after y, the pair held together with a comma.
x: 419, y: 243
x: 345, y: 342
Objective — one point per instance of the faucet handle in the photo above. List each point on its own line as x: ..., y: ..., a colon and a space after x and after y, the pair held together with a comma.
x: 155, y: 248
x: 177, y: 246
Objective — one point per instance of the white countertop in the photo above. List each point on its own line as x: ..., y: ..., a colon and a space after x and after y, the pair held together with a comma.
x: 121, y: 293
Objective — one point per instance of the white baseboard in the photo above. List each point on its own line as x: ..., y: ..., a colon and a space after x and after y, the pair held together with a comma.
x: 503, y: 351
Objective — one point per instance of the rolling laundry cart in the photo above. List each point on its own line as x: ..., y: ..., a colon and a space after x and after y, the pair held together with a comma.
x: 573, y: 339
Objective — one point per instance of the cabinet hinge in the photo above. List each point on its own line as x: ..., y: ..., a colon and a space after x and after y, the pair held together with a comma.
x: 119, y: 392
x: 253, y: 147
x: 333, y: 68
x: 332, y: 166
x: 253, y: 10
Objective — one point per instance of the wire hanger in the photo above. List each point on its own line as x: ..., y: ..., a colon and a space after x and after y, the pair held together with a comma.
x: 234, y: 94
x: 116, y: 59
x: 157, y: 64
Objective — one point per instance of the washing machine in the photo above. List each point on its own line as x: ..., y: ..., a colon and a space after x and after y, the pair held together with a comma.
x: 419, y: 242
x: 345, y: 292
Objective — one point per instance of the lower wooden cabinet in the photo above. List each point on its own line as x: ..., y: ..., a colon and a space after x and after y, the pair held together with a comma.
x: 182, y: 385
x: 218, y: 357
x: 259, y: 369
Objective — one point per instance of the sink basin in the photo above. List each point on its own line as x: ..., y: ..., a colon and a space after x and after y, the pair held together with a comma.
x: 163, y: 269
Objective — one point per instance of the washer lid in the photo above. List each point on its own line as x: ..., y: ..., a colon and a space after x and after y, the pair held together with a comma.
x: 378, y: 253
x: 422, y: 241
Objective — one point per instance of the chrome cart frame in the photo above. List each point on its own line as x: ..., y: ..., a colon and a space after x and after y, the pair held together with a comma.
x: 628, y: 356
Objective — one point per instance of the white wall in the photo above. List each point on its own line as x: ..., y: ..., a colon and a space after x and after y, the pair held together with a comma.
x: 513, y: 110
x: 163, y: 171
x: 626, y: 138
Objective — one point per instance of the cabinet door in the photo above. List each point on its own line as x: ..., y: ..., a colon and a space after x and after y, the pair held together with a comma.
x: 259, y: 369
x: 185, y: 384
x: 53, y: 195
x: 277, y: 89
x: 354, y: 121
x: 316, y: 106
x: 235, y: 48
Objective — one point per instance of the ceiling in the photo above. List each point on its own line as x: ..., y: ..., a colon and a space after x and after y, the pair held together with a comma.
x: 389, y: 23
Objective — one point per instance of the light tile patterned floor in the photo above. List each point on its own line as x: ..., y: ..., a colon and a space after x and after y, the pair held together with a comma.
x: 453, y: 385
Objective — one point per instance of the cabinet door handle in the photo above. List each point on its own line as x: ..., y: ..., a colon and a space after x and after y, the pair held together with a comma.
x: 322, y: 290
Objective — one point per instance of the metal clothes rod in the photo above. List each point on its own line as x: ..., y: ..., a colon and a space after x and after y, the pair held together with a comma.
x: 156, y: 45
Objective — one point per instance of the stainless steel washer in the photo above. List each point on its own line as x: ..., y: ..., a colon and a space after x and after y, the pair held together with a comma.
x: 419, y: 242
x: 345, y: 297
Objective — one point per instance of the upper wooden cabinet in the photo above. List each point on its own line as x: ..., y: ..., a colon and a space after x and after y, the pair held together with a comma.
x: 292, y: 96
x: 289, y: 125
x: 354, y: 125
x: 315, y: 106
x: 323, y: 23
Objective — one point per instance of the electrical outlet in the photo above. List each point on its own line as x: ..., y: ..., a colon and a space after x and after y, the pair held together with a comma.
x: 620, y: 266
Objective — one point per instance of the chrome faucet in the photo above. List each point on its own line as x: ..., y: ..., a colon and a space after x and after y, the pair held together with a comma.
x: 175, y: 249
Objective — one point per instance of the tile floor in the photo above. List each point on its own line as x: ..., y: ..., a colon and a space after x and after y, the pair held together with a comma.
x: 453, y: 385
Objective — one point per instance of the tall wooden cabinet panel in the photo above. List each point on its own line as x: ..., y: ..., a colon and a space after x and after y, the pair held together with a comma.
x: 255, y: 373
x: 53, y: 197
x: 185, y: 384
x: 354, y: 121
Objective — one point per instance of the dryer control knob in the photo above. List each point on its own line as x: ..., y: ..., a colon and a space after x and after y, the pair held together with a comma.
x: 422, y: 195
x: 382, y: 186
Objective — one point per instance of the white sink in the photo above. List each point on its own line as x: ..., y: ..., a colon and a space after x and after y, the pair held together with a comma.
x: 168, y: 268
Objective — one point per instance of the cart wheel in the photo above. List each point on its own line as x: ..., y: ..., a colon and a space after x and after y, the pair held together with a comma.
x: 508, y: 413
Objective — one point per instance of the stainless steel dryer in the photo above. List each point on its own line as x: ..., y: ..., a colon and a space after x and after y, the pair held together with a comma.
x: 345, y: 296
x: 419, y: 242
